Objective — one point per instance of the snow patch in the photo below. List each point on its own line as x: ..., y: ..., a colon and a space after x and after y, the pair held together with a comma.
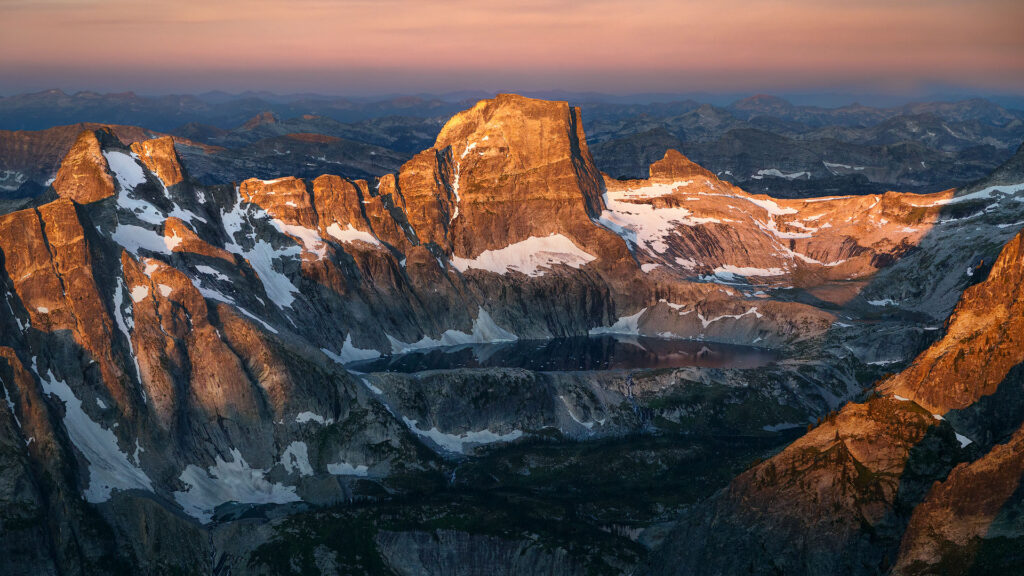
x: 349, y: 353
x: 350, y: 235
x: 641, y: 224
x: 624, y: 325
x: 686, y: 263
x: 223, y: 482
x: 309, y: 237
x: 883, y: 302
x: 307, y: 416
x: 139, y: 293
x: 262, y: 255
x: 729, y: 272
x: 484, y: 330
x: 457, y: 443
x: 135, y: 238
x: 964, y: 440
x: 126, y: 169
x: 295, y: 459
x: 533, y: 256
x: 775, y: 172
x: 781, y: 426
x: 1009, y: 189
x: 124, y: 323
x: 346, y: 469
x: 209, y: 271
x: 109, y: 468
x: 705, y: 322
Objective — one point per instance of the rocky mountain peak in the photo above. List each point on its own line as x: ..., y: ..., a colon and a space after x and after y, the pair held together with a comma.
x: 951, y: 374
x: 1008, y: 173
x: 512, y: 160
x: 84, y: 175
x: 160, y: 157
x: 675, y: 166
x: 265, y: 117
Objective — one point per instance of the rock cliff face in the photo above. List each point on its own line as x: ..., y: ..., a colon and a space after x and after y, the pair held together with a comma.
x: 84, y: 175
x: 984, y: 341
x: 159, y: 156
x: 177, y: 351
x: 854, y: 483
x: 37, y: 156
x: 970, y: 522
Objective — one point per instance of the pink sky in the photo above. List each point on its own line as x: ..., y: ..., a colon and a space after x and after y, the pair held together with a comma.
x: 616, y: 46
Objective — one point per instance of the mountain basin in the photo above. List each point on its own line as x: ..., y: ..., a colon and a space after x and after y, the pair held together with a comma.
x: 582, y: 353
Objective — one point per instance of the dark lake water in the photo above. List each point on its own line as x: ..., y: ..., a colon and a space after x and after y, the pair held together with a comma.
x: 571, y: 354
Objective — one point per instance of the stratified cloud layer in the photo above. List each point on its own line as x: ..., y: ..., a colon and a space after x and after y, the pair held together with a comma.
x: 367, y: 46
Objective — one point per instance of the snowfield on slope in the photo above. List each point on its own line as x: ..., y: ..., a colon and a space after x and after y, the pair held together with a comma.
x: 534, y: 257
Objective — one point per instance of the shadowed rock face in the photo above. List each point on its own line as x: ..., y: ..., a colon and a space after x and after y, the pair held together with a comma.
x: 977, y: 504
x: 184, y: 341
x: 852, y: 483
x: 984, y: 340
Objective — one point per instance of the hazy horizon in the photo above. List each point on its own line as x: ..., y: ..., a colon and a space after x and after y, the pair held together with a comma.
x: 815, y: 99
x: 360, y: 48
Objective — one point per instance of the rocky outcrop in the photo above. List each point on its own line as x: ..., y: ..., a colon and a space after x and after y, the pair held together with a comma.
x: 35, y: 156
x: 181, y: 238
x: 495, y: 168
x: 984, y: 340
x: 185, y: 343
x: 864, y: 469
x: 84, y: 175
x: 159, y: 156
x: 674, y: 166
x: 966, y: 523
x: 49, y: 260
x: 265, y: 117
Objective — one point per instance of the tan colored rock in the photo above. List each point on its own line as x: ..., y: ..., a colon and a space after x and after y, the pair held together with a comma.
x: 183, y: 239
x: 286, y: 199
x: 32, y: 411
x: 960, y: 512
x: 176, y: 341
x: 38, y: 153
x: 983, y: 341
x: 269, y: 371
x: 161, y: 359
x: 160, y: 157
x: 674, y: 166
x: 84, y: 175
x: 48, y: 258
x: 508, y: 169
x: 817, y: 244
x: 847, y: 475
x: 341, y: 205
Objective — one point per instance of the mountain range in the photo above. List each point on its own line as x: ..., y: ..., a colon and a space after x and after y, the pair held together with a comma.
x: 761, y: 143
x: 188, y: 354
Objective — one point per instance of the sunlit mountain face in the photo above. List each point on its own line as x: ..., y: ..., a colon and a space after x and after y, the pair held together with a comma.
x: 540, y: 288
